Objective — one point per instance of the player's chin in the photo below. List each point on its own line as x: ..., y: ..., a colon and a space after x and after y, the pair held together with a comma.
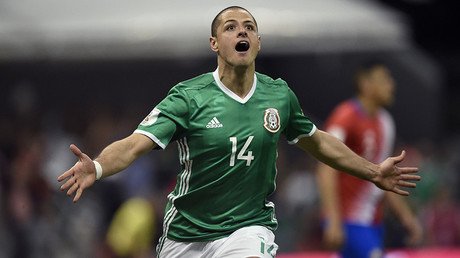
x: 242, y: 64
x: 388, y: 102
x: 245, y: 58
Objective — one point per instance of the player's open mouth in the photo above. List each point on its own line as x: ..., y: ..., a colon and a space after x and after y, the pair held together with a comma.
x: 242, y: 46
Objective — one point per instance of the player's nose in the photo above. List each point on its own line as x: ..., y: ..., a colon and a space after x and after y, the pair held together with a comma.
x: 242, y: 33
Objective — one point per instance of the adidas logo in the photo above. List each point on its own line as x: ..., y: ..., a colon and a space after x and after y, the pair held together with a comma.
x: 214, y: 123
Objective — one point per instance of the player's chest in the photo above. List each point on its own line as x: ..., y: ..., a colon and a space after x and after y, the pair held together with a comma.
x: 221, y: 118
x: 366, y: 138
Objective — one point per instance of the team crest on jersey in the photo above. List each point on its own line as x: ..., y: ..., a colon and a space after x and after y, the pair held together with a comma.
x: 272, y: 120
x: 151, y: 118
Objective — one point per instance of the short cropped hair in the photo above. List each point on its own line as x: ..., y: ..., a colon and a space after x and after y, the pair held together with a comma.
x: 216, y: 21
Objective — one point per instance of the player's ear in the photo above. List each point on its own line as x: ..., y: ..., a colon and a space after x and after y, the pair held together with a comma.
x: 213, y: 44
x: 258, y: 40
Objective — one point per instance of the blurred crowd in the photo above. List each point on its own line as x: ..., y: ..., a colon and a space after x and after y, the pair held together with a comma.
x: 121, y: 216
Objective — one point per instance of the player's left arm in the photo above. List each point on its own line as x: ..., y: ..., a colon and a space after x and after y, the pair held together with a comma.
x: 407, y: 218
x: 386, y: 175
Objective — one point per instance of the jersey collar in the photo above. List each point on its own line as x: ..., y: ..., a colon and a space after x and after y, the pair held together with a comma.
x: 230, y: 93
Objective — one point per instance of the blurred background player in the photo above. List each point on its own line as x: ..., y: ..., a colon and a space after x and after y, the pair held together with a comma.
x: 352, y: 207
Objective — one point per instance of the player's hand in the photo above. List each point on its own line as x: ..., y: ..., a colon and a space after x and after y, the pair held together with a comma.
x: 414, y: 233
x: 392, y: 178
x: 334, y: 236
x: 81, y: 176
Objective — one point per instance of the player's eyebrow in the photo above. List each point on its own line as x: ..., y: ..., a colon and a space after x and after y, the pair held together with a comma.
x: 233, y: 20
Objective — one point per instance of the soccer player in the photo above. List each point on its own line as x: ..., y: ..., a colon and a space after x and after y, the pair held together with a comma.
x: 353, y: 207
x: 227, y: 124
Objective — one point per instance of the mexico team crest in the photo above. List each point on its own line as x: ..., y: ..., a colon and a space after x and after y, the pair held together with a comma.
x: 272, y: 120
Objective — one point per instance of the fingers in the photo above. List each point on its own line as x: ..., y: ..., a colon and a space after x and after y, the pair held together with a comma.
x: 400, y: 157
x: 406, y: 180
x: 407, y: 184
x: 72, y: 189
x: 75, y: 150
x: 78, y: 194
x: 408, y: 170
x: 406, y: 176
x: 72, y: 180
x: 410, y: 177
x: 65, y: 175
x: 400, y: 192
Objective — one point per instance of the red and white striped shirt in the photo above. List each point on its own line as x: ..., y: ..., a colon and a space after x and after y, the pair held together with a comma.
x: 371, y: 137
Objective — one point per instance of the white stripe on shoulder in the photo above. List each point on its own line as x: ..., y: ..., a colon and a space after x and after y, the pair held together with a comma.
x: 152, y: 137
x: 296, y: 140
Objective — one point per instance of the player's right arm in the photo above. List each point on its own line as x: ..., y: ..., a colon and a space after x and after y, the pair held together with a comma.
x: 113, y: 159
x: 327, y: 177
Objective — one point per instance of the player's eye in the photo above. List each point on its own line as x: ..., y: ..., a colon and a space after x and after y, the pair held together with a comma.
x: 230, y: 27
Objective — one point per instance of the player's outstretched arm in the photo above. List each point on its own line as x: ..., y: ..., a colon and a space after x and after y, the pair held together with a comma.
x: 386, y: 175
x: 113, y: 159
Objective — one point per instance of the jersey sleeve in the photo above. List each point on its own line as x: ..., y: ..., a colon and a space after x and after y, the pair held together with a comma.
x: 299, y: 125
x: 168, y: 119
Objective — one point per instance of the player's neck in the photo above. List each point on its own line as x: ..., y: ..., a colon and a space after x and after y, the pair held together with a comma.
x: 369, y: 106
x: 238, y: 80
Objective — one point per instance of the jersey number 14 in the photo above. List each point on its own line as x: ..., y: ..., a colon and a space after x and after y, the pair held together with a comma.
x: 242, y: 153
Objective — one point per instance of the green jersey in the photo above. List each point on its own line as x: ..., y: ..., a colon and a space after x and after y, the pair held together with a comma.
x: 228, y: 150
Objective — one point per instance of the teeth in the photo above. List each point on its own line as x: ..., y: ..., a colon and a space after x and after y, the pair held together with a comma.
x: 242, y: 46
